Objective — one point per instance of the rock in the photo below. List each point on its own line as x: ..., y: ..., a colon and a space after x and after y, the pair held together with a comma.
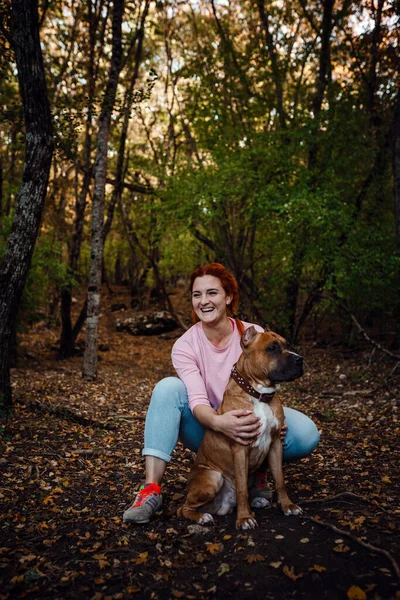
x: 153, y: 324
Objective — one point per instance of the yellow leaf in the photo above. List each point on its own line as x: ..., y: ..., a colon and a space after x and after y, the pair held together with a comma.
x: 227, y: 537
x: 356, y: 593
x: 386, y: 480
x: 251, y: 558
x: 289, y: 571
x: 279, y: 537
x: 276, y: 564
x: 48, y: 500
x: 142, y: 558
x: 57, y: 490
x: 214, y: 548
x: 319, y: 568
x: 304, y: 540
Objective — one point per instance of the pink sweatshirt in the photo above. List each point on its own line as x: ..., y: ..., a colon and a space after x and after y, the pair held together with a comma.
x: 203, y: 368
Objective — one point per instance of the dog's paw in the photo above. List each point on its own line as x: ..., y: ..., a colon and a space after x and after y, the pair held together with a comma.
x: 260, y: 503
x: 292, y: 509
x: 246, y: 523
x: 206, y: 519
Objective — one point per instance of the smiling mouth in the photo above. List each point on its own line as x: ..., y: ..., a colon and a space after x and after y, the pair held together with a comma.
x: 206, y: 310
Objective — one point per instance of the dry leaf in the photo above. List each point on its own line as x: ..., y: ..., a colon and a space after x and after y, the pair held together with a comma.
x: 214, y: 548
x: 304, y: 540
x: 251, y: 558
x: 177, y: 594
x: 142, y: 559
x: 386, y: 480
x: 356, y: 593
x: 289, y: 571
x: 200, y: 557
x: 27, y: 558
x: 227, y: 537
x: 341, y: 548
x: 276, y: 564
x: 318, y: 568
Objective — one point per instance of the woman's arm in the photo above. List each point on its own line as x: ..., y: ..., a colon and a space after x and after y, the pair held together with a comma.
x: 242, y: 426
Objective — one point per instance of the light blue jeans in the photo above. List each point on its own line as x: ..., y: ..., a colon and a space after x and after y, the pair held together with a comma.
x: 170, y: 419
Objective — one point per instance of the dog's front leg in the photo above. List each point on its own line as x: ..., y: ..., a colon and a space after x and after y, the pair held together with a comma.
x: 275, y: 464
x: 244, y: 518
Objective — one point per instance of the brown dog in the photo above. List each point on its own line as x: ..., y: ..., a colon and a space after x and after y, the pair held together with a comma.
x: 219, y: 477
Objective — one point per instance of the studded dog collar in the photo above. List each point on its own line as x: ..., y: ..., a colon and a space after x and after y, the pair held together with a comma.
x: 242, y: 383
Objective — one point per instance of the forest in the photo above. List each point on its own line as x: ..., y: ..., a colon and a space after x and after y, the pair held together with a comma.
x: 140, y: 139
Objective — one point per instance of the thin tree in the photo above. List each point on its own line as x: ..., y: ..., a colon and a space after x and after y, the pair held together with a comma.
x: 31, y: 197
x: 100, y: 175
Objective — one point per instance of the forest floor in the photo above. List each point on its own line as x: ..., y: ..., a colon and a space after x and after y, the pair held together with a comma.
x: 71, y: 463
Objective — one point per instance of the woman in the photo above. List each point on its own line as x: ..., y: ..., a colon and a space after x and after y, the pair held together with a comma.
x: 183, y: 408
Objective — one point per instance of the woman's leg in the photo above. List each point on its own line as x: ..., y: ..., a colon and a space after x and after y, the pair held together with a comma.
x: 168, y: 419
x: 302, y: 435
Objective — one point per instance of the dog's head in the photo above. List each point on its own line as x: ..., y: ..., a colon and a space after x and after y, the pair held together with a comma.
x: 266, y: 358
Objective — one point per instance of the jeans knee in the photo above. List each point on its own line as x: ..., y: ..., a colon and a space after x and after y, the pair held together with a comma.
x: 310, y: 439
x: 302, y: 437
x: 167, y: 388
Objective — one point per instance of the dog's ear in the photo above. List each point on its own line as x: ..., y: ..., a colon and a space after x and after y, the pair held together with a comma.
x: 248, y: 337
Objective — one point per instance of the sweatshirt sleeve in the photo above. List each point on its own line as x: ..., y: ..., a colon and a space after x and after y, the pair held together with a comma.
x: 187, y: 367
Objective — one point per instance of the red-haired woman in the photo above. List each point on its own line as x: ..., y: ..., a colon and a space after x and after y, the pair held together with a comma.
x: 181, y: 409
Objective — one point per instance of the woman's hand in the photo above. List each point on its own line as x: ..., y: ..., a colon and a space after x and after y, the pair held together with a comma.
x: 242, y: 426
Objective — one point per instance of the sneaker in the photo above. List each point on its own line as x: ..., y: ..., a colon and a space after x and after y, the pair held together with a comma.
x: 147, y: 502
x: 260, y: 492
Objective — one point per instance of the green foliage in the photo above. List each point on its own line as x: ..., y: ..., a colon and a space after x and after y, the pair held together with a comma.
x: 47, y: 273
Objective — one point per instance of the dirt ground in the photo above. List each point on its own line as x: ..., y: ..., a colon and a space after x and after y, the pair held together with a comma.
x: 71, y: 463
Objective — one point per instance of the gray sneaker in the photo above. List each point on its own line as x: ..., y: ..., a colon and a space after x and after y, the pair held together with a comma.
x: 147, y: 502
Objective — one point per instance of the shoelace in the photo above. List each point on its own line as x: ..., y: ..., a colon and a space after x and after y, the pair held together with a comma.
x: 144, y: 492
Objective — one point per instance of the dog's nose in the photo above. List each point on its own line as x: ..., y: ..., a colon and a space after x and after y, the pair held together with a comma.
x: 299, y: 359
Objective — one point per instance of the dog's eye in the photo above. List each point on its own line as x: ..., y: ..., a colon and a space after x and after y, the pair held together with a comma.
x: 272, y: 347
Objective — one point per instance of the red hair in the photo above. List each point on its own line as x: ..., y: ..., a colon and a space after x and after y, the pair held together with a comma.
x: 229, y: 285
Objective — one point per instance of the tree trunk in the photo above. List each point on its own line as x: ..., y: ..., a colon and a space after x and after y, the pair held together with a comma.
x: 276, y: 74
x: 324, y: 72
x: 67, y: 341
x: 127, y: 109
x: 100, y: 173
x: 31, y: 197
x: 396, y: 194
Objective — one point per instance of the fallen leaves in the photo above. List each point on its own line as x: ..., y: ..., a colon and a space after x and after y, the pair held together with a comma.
x: 290, y: 572
x: 103, y: 560
x: 341, y: 548
x: 142, y: 559
x: 356, y: 593
x: 252, y: 558
x: 214, y: 548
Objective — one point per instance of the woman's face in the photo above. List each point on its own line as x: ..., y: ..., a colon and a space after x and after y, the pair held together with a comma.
x: 209, y: 299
